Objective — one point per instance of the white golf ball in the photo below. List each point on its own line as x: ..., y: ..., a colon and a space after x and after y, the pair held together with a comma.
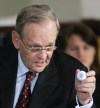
x: 81, y: 75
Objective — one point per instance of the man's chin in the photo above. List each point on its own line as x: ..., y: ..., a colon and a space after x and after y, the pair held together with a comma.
x: 40, y: 69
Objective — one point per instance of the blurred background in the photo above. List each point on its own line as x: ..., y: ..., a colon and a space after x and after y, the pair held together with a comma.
x: 67, y: 11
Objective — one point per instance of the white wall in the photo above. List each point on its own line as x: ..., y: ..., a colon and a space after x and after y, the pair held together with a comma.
x: 90, y: 9
x: 11, y: 7
x: 66, y: 10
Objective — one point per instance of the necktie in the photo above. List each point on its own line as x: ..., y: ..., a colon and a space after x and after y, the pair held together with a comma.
x: 25, y: 94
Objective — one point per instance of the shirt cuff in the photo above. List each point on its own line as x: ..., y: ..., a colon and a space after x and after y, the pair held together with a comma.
x: 89, y: 105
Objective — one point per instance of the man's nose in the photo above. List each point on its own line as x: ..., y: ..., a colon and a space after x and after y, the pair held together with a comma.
x: 42, y: 54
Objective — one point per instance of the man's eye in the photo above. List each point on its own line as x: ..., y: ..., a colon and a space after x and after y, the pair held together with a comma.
x: 50, y: 45
x: 48, y: 48
x: 35, y: 48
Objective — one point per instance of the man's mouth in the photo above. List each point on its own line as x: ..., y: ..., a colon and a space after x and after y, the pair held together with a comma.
x: 40, y: 64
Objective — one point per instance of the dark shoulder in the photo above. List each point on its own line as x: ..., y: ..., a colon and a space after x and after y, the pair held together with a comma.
x: 68, y: 61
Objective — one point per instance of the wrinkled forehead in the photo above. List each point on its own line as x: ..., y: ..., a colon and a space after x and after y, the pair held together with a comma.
x: 42, y: 23
x: 39, y: 22
x: 40, y: 32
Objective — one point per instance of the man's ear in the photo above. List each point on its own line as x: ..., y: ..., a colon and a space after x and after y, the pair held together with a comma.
x: 15, y: 39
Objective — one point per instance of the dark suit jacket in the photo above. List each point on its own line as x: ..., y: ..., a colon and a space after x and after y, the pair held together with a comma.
x: 54, y: 87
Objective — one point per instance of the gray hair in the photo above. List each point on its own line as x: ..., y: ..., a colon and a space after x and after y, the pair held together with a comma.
x: 37, y: 14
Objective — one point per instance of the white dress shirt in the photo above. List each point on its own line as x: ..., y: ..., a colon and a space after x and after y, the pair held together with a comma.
x: 21, y: 76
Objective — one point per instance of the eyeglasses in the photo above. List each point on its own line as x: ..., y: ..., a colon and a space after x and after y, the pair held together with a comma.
x: 38, y: 48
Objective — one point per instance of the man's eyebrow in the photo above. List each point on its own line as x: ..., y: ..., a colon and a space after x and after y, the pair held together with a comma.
x: 51, y: 43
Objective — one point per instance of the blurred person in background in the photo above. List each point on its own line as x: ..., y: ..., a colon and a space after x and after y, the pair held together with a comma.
x: 79, y: 41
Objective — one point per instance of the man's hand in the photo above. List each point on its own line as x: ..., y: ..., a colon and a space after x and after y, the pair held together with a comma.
x: 85, y: 88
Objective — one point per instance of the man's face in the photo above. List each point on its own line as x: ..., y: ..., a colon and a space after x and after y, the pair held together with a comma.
x: 37, y: 35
